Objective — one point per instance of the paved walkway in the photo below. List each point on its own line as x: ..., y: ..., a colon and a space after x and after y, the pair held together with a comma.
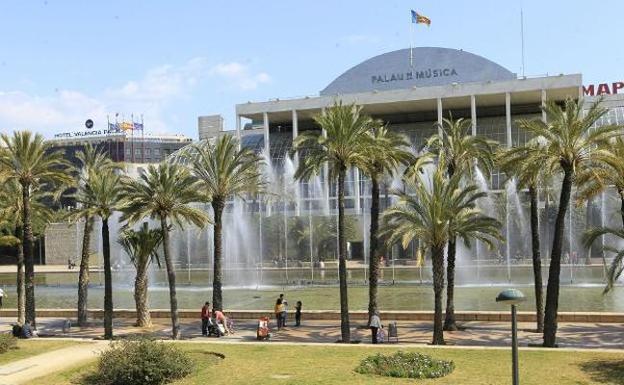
x: 25, y: 370
x: 572, y: 335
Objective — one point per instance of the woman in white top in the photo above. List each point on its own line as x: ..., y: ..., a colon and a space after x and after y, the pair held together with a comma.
x: 375, y: 324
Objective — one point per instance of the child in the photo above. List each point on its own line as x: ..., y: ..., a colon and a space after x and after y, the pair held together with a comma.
x: 298, y: 313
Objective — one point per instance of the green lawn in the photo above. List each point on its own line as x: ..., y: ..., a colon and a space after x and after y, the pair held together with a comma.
x: 275, y: 364
x: 27, y: 348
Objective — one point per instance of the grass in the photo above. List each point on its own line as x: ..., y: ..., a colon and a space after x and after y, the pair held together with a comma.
x: 281, y: 364
x: 28, y: 348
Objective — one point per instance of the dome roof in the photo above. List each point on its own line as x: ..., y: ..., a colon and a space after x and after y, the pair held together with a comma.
x: 429, y: 66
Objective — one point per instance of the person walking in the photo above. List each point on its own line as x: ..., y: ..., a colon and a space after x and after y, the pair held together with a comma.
x: 298, y: 313
x: 205, y: 317
x: 278, y: 312
x: 2, y: 294
x: 375, y: 324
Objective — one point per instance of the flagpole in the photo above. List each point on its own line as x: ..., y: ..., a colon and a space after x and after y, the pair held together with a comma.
x: 411, y: 41
x: 522, y: 36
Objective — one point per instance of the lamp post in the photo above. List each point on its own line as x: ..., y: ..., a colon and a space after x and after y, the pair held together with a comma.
x: 513, y: 297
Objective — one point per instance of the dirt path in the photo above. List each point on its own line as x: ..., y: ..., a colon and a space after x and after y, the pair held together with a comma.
x: 27, y: 369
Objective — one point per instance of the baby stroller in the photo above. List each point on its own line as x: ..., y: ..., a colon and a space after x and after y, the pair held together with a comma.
x: 263, y: 332
x: 213, y: 328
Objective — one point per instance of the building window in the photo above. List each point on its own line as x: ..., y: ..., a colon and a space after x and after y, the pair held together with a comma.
x: 156, y: 152
x: 148, y: 152
x: 137, y: 151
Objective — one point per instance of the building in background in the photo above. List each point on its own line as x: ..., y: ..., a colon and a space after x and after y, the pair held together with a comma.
x: 120, y: 146
x: 209, y: 126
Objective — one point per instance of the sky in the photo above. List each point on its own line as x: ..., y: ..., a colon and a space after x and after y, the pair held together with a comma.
x: 62, y: 62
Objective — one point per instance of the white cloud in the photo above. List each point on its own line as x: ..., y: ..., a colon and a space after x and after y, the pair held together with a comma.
x: 240, y: 75
x: 150, y: 95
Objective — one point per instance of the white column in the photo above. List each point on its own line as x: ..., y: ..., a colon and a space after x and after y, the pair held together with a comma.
x: 440, y: 116
x: 356, y: 191
x: 295, y: 133
x: 473, y: 114
x: 543, y: 104
x: 267, y: 150
x: 508, y: 115
x: 326, y: 179
x: 265, y: 120
x: 238, y: 130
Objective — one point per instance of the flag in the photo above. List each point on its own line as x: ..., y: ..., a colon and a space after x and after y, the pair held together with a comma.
x: 138, y: 126
x: 420, y: 19
x: 114, y: 127
x: 126, y: 126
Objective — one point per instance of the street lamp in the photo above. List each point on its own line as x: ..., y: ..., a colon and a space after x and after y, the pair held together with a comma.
x: 513, y: 297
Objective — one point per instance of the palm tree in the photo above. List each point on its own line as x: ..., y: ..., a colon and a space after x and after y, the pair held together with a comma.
x: 10, y: 211
x: 438, y: 210
x: 26, y: 158
x: 529, y: 175
x: 92, y: 161
x: 569, y: 143
x: 142, y: 248
x: 340, y: 148
x: 385, y: 152
x: 462, y: 152
x: 617, y: 265
x: 165, y: 192
x: 594, y: 180
x: 103, y: 197
x: 224, y: 170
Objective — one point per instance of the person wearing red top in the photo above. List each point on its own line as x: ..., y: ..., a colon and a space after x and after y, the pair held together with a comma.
x: 205, y: 317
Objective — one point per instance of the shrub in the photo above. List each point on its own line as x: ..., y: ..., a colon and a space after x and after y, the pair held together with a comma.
x: 405, y: 365
x: 7, y: 342
x: 141, y: 362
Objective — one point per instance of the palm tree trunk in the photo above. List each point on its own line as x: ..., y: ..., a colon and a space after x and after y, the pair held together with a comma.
x: 449, y: 321
x: 437, y: 257
x: 373, y: 248
x: 217, y: 296
x: 537, y: 260
x: 140, y: 297
x: 173, y: 299
x: 108, y: 282
x: 83, y: 278
x: 21, y: 300
x: 342, y: 261
x: 552, y: 290
x: 621, y: 193
x: 29, y: 263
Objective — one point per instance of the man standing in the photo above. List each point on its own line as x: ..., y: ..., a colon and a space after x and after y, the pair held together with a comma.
x: 205, y: 317
x: 375, y: 324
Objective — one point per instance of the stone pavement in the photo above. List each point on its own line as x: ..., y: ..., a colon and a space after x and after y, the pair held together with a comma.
x: 27, y: 369
x: 571, y: 335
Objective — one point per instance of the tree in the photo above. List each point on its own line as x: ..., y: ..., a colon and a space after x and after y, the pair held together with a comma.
x: 340, y: 147
x: 10, y: 213
x: 165, y: 193
x: 529, y: 175
x: 27, y: 159
x: 92, y: 161
x: 597, y: 178
x: 462, y: 152
x: 567, y: 143
x: 103, y: 197
x: 439, y: 209
x: 385, y: 152
x: 617, y: 264
x: 224, y: 170
x: 142, y: 248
